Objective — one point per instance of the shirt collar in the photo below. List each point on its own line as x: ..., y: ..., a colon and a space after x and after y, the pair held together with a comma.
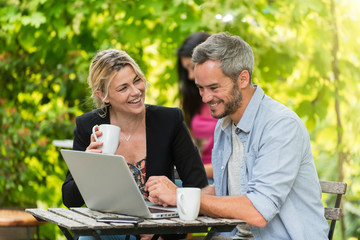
x: 225, y: 123
x: 246, y: 121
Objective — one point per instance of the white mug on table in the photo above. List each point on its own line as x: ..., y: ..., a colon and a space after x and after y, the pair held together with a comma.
x: 110, y: 137
x: 188, y: 203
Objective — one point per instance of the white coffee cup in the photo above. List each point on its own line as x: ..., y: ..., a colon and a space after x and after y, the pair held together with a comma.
x: 110, y: 137
x: 188, y: 203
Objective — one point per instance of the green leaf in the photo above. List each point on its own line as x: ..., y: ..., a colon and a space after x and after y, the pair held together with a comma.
x: 35, y: 19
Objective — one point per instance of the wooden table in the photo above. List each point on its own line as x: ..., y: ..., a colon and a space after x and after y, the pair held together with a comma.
x: 82, y: 222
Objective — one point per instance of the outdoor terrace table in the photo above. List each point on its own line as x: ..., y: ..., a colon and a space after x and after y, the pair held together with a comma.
x: 82, y: 222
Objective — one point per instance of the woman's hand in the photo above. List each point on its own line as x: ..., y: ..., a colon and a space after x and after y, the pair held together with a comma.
x: 93, y: 147
x: 161, y: 190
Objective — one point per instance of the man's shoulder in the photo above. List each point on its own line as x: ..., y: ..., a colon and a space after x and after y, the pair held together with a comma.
x: 275, y: 110
x: 274, y: 115
x: 265, y: 106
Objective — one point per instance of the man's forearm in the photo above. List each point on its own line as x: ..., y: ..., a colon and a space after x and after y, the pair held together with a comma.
x: 239, y: 207
x: 208, y: 190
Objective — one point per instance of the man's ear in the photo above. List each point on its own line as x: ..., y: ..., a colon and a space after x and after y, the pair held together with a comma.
x: 101, y: 96
x: 244, y: 79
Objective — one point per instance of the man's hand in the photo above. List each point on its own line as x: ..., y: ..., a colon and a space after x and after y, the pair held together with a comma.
x: 161, y: 190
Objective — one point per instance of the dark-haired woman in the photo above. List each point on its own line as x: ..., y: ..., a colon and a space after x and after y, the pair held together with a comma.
x: 197, y: 114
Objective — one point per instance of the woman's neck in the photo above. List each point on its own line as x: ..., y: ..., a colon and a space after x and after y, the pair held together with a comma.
x: 129, y: 123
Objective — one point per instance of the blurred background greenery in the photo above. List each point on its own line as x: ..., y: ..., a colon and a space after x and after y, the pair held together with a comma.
x: 306, y: 56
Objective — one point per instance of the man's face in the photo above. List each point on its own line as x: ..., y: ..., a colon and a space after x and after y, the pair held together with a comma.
x: 217, y: 90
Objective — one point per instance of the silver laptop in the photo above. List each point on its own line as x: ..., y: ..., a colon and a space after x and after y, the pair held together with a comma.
x: 106, y: 184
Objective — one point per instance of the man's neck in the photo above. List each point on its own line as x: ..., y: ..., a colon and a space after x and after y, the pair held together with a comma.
x: 246, y: 97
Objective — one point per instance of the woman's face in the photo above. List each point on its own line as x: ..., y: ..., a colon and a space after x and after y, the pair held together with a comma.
x: 127, y: 92
x: 188, y: 64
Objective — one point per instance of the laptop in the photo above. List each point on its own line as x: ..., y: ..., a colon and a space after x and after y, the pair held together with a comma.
x: 107, y: 185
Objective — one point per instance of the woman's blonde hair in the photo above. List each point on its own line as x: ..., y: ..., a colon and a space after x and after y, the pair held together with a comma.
x: 102, y: 70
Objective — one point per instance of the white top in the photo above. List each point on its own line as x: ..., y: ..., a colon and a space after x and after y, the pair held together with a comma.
x: 234, y: 164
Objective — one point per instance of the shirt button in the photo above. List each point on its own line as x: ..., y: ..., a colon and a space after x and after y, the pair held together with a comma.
x: 237, y: 130
x: 222, y: 167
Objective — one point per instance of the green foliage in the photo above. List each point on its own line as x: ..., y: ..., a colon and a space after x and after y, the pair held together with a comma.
x: 46, y: 47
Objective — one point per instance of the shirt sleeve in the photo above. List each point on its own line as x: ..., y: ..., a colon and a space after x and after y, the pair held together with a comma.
x: 275, y: 166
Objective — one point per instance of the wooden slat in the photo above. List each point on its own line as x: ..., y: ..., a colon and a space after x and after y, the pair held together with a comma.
x: 96, y: 215
x: 232, y: 221
x: 88, y: 212
x: 164, y: 222
x: 333, y: 213
x: 146, y: 224
x: 188, y: 223
x: 333, y: 187
x: 57, y: 219
x: 201, y: 220
x: 209, y: 221
x: 91, y: 222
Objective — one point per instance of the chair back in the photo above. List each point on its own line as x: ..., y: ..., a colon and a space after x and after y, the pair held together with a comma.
x: 333, y: 214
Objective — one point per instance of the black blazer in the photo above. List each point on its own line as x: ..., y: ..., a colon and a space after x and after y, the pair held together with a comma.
x: 168, y: 143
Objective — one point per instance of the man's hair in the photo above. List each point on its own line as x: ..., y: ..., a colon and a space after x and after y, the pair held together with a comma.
x: 233, y: 53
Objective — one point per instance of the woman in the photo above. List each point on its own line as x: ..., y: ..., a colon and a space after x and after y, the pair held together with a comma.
x: 153, y: 139
x: 197, y: 114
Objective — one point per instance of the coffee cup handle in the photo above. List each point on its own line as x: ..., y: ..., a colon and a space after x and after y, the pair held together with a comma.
x: 93, y: 131
x: 181, y: 196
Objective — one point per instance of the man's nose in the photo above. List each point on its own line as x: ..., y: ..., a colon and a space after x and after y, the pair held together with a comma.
x: 206, y: 96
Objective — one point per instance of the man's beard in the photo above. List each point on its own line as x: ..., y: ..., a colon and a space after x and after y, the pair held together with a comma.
x: 231, y: 106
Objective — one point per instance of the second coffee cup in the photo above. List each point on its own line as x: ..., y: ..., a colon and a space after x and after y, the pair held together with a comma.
x: 110, y: 137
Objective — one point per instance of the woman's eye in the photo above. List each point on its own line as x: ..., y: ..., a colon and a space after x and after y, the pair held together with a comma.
x: 121, y: 89
x: 137, y: 80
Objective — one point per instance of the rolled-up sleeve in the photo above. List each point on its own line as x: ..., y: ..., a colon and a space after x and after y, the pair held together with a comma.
x: 275, y: 165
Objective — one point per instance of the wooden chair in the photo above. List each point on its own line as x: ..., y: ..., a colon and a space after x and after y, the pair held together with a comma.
x: 333, y: 214
x: 14, y: 221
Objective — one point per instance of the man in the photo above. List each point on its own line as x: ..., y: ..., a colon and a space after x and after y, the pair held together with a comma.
x: 264, y: 171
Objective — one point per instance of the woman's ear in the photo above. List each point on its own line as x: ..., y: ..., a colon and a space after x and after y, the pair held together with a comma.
x: 101, y: 96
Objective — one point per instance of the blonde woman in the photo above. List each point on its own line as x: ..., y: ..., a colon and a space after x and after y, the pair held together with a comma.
x: 153, y: 139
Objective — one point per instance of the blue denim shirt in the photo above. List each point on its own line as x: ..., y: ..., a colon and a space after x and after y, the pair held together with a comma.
x: 278, y: 173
